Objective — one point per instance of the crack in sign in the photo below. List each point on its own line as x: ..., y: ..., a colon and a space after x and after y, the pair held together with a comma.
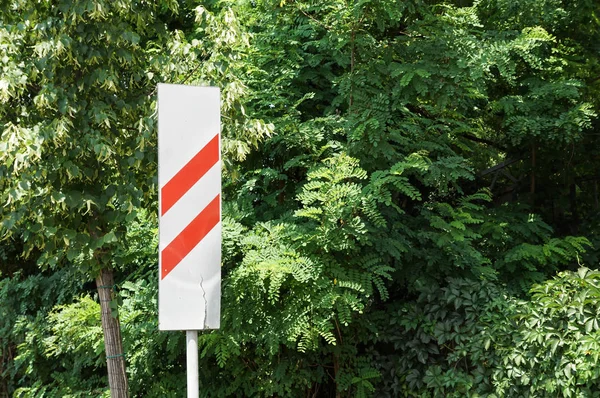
x: 205, y: 302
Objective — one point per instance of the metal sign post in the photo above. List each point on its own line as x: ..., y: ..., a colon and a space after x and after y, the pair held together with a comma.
x: 191, y: 337
x: 189, y: 179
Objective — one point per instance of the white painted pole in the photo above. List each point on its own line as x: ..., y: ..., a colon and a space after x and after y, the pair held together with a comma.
x: 193, y: 388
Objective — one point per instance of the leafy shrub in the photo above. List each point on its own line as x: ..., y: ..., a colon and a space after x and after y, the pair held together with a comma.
x: 469, y: 338
x: 555, y: 347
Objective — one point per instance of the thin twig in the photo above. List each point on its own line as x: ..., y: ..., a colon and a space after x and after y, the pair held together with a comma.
x: 313, y: 18
x: 483, y: 141
x: 191, y: 73
x: 414, y: 36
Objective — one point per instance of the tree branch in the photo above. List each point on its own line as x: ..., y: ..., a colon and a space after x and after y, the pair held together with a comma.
x: 483, y: 141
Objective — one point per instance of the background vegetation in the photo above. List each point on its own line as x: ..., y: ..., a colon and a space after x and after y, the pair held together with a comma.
x: 410, y: 195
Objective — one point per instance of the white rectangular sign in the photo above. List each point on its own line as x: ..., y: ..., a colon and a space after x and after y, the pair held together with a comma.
x: 189, y: 180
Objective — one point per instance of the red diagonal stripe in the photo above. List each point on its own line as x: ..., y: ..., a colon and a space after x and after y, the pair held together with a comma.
x: 190, y: 236
x: 189, y: 174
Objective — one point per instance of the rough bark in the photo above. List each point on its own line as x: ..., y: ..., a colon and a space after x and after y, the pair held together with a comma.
x: 113, y: 344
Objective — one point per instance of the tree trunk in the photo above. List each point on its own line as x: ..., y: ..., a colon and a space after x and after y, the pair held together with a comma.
x: 113, y: 345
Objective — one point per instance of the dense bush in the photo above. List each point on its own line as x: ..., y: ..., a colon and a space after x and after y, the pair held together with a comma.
x: 469, y: 338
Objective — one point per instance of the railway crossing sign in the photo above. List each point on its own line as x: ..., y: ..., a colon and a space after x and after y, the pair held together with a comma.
x: 189, y: 179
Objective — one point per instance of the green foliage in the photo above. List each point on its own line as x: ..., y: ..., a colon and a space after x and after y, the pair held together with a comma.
x: 73, y: 326
x: 77, y: 150
x: 439, y: 345
x: 26, y: 335
x: 365, y: 252
x: 70, y: 337
x: 57, y: 350
x: 469, y: 338
x: 555, y: 348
